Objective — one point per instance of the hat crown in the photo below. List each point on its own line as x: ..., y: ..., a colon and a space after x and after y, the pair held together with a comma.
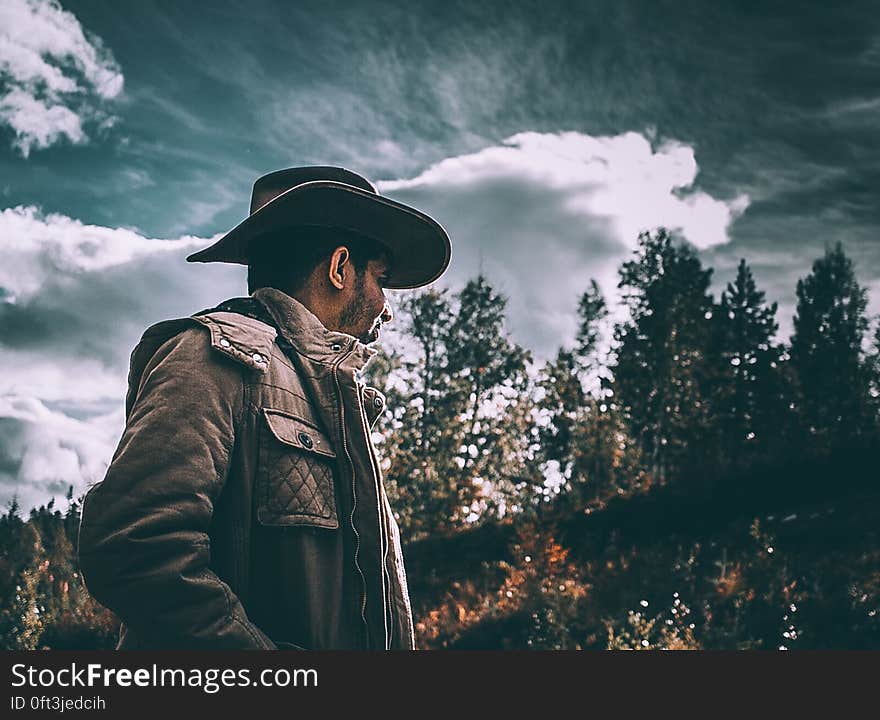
x: 268, y: 187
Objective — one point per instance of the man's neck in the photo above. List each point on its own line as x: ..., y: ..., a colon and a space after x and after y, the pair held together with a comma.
x: 317, y: 306
x: 305, y: 331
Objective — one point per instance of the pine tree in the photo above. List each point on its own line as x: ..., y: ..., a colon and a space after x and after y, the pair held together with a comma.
x: 418, y: 448
x: 826, y: 353
x: 749, y: 394
x: 592, y: 312
x: 461, y: 443
x: 489, y: 395
x: 662, y: 375
x: 562, y: 407
x: 581, y: 435
x: 22, y: 603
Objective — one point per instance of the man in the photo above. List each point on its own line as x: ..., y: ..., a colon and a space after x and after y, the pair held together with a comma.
x: 244, y: 506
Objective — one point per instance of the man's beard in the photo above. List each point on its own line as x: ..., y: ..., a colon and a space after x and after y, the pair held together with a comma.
x: 353, y: 315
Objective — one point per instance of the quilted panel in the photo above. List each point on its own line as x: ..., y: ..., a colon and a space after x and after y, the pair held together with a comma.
x: 296, y: 473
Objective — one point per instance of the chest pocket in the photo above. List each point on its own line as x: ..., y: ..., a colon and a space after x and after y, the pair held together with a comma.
x: 295, y: 479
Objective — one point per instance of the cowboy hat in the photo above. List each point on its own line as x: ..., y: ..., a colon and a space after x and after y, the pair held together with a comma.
x: 332, y: 197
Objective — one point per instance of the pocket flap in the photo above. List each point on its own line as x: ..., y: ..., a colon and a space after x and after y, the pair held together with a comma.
x: 298, y: 433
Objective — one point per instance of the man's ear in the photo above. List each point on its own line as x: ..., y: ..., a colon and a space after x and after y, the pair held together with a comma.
x: 339, y: 267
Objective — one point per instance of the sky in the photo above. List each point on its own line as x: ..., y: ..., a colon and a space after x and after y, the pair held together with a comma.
x: 544, y: 136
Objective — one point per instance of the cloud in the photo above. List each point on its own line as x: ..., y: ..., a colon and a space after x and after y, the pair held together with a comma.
x: 54, y: 78
x: 38, y: 247
x: 37, y: 123
x: 621, y: 178
x: 46, y: 451
x: 542, y: 213
x: 74, y: 299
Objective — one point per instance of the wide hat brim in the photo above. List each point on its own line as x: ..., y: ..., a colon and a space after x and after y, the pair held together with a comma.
x: 419, y: 245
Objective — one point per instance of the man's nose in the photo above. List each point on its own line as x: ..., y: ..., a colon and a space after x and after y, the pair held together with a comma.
x: 387, y: 316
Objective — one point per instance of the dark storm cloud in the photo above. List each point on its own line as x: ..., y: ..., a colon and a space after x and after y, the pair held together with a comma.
x: 218, y: 95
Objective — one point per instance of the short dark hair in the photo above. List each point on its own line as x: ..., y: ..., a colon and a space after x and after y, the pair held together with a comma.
x: 285, y: 259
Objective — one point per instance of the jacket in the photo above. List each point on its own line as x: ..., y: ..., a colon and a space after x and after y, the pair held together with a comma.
x: 244, y: 506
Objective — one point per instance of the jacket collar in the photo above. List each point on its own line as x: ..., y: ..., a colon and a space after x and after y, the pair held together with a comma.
x: 302, y: 329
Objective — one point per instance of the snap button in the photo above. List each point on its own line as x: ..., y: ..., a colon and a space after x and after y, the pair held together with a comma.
x: 377, y: 401
x: 257, y: 358
x: 224, y: 342
x: 305, y: 440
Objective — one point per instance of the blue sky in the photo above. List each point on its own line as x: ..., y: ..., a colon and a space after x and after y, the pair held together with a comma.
x: 543, y: 135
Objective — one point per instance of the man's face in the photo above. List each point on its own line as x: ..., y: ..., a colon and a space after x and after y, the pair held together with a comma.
x: 366, y: 308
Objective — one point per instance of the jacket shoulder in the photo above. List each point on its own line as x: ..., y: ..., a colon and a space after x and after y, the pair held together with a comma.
x: 242, y: 338
x: 245, y: 340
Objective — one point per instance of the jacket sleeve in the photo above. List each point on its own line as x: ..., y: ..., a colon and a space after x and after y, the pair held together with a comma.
x: 144, y: 547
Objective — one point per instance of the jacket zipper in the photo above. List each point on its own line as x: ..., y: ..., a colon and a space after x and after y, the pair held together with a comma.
x: 357, y: 536
x: 384, y: 529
